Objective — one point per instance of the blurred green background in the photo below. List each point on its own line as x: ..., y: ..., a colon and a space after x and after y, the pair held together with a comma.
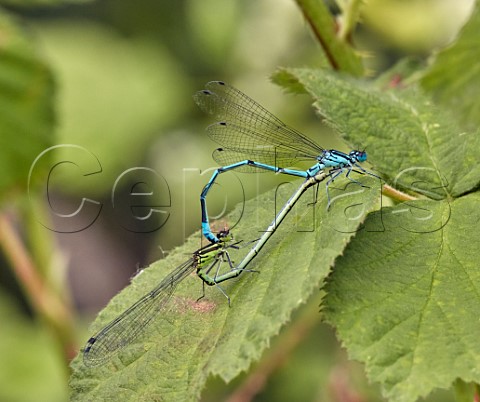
x: 118, y: 78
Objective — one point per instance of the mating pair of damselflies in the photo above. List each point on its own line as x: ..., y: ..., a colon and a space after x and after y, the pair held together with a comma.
x: 253, y: 139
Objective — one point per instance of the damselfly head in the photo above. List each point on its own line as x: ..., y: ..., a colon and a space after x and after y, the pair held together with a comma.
x: 224, y: 235
x: 359, y: 156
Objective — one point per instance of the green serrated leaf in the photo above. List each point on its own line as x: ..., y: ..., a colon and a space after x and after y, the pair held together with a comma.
x: 410, y: 141
x: 26, y: 99
x: 454, y: 79
x: 194, y: 340
x: 405, y: 301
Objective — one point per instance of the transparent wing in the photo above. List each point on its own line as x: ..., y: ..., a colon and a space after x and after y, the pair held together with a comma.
x: 125, y: 328
x: 254, y: 124
x: 244, y: 139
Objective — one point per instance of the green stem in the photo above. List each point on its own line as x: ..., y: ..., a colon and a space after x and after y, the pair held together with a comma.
x: 339, y: 53
x: 351, y: 12
x: 397, y: 195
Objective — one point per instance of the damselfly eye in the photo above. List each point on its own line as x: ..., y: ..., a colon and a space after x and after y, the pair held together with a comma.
x: 360, y: 156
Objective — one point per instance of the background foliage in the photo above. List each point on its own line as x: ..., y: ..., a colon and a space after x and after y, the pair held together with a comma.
x: 116, y: 78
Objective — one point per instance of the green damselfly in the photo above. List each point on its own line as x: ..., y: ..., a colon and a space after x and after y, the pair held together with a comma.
x: 121, y: 332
